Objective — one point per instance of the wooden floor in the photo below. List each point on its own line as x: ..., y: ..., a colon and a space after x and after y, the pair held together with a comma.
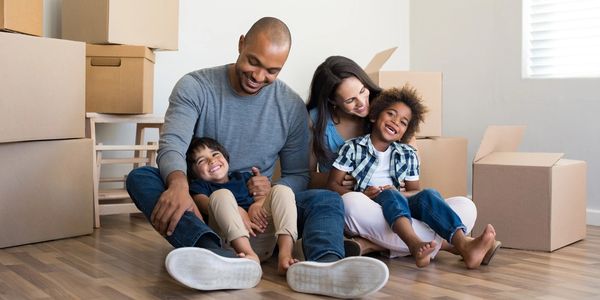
x: 125, y: 260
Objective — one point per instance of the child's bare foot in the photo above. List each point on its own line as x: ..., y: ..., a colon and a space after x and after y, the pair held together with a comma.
x: 252, y: 256
x: 422, y: 253
x: 284, y: 262
x: 475, y: 249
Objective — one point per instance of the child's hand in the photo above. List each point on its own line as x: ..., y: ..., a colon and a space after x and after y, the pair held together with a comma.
x: 258, y: 216
x: 372, y: 191
x: 258, y: 185
x: 247, y: 223
x: 388, y: 187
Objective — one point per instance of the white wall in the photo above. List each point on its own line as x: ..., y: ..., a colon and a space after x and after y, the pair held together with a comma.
x: 209, y: 32
x: 477, y: 46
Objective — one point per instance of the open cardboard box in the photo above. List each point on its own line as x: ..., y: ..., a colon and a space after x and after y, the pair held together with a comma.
x: 427, y: 84
x: 535, y: 201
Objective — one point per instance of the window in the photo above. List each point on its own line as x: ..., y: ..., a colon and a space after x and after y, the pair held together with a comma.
x: 561, y: 38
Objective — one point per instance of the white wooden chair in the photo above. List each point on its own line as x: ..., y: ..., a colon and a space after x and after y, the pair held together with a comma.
x: 110, y: 194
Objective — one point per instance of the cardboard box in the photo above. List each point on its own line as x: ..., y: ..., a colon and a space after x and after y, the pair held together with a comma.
x: 45, y: 191
x: 42, y: 90
x: 535, y: 201
x: 24, y: 16
x: 427, y: 84
x: 119, y: 79
x: 443, y: 162
x: 150, y: 23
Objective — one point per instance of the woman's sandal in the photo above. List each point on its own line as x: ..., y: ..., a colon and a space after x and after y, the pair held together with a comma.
x: 490, y: 253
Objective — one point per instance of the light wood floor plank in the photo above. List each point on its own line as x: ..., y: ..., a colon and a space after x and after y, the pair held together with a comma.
x: 125, y: 260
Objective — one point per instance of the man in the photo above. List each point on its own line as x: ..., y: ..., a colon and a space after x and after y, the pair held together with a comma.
x: 258, y: 119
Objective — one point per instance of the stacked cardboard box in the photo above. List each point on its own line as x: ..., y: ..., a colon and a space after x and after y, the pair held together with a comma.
x: 24, y: 16
x: 443, y: 159
x: 46, y: 174
x: 120, y: 78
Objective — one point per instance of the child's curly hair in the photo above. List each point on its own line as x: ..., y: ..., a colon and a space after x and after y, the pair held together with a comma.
x: 407, y: 95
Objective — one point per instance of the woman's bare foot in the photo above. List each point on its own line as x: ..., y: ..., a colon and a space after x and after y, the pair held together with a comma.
x: 450, y: 248
x: 284, y: 262
x: 473, y: 250
x: 422, y: 253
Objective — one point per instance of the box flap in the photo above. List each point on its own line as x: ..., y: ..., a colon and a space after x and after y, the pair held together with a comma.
x: 525, y: 159
x: 499, y: 139
x: 119, y: 51
x: 379, y: 60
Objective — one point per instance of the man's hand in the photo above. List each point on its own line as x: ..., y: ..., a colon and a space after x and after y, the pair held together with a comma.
x: 258, y: 185
x: 258, y: 216
x: 172, y: 204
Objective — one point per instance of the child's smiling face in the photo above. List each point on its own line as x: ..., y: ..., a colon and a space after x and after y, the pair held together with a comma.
x: 210, y: 165
x: 392, y: 122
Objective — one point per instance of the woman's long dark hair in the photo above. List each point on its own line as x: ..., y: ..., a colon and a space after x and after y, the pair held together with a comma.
x: 325, y: 82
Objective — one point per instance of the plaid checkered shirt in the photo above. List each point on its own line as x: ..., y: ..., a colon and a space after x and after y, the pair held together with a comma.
x: 359, y: 157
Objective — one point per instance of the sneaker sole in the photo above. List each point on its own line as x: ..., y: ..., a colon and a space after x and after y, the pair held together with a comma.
x: 202, y: 269
x: 352, y: 277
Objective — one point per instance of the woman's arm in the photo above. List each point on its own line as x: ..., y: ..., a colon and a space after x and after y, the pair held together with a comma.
x: 412, y: 187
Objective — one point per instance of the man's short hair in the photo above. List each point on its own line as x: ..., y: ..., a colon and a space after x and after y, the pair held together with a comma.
x: 275, y: 29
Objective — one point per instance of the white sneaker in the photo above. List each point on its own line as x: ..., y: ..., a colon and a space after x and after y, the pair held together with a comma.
x: 351, y: 277
x: 202, y: 269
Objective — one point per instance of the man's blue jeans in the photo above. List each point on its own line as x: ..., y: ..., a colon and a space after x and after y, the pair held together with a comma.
x: 320, y: 217
x: 427, y: 206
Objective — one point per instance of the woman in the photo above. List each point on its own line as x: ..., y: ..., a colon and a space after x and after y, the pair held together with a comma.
x: 338, y: 106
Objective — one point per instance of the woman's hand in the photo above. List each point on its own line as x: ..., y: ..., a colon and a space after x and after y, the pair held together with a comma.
x: 348, y: 182
x: 402, y: 187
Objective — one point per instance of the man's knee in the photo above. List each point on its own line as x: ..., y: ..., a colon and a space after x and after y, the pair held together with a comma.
x: 140, y: 175
x: 325, y: 199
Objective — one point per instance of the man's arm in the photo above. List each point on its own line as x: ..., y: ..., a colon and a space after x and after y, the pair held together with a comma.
x: 294, y: 155
x: 172, y: 204
x: 178, y: 129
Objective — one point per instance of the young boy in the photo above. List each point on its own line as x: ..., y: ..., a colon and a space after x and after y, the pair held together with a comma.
x: 234, y: 213
x: 382, y: 160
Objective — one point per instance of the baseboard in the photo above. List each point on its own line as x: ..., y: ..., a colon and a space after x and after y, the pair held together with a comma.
x: 593, y: 217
